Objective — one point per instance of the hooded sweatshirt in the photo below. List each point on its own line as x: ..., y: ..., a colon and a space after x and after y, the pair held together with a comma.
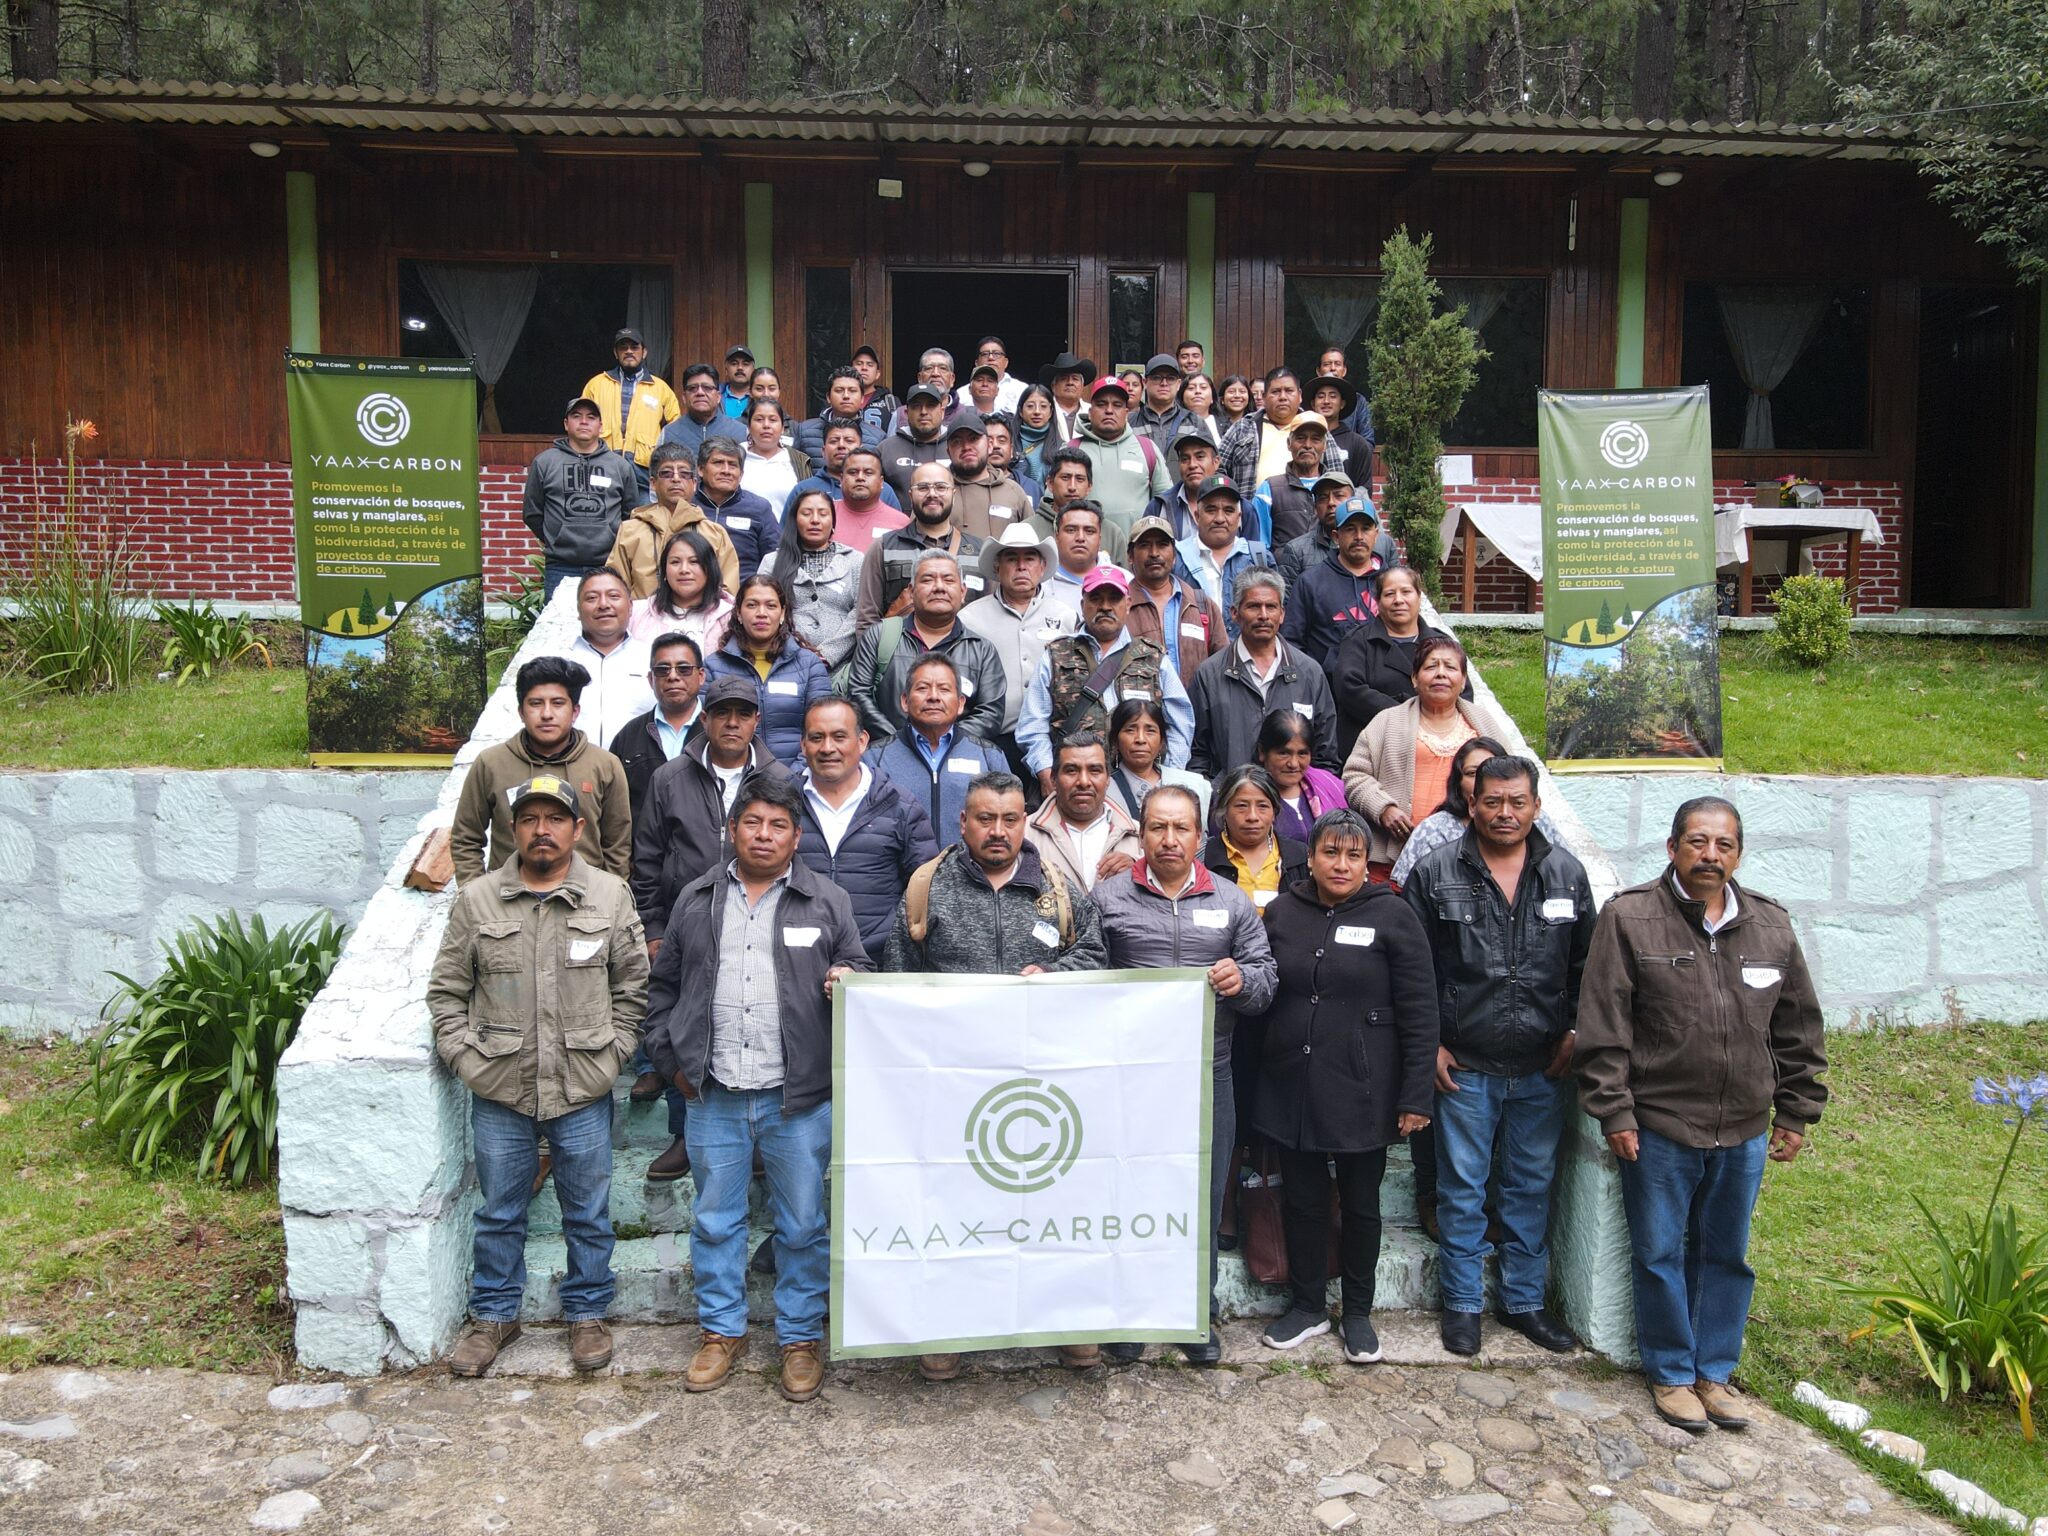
x: 575, y: 502
x: 1129, y: 472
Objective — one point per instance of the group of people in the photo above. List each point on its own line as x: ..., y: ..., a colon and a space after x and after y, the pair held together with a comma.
x: 1139, y: 719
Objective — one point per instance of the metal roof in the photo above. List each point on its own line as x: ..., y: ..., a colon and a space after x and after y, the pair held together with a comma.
x: 356, y: 110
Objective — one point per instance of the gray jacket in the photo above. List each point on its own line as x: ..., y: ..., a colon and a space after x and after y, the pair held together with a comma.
x: 877, y: 691
x: 575, y: 502
x: 973, y: 929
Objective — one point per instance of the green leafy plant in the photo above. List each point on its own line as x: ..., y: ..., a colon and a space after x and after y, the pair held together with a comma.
x: 76, y: 628
x: 205, y: 638
x: 1424, y: 362
x: 1813, y: 621
x: 527, y: 604
x: 192, y: 1056
x: 1978, y: 1317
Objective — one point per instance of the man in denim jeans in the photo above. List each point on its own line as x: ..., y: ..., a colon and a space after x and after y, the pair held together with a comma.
x: 1700, y: 1054
x: 1509, y: 917
x: 536, y: 998
x: 739, y: 1017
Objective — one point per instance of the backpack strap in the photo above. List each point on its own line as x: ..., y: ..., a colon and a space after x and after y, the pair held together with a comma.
x: 1062, y: 900
x: 886, y: 641
x: 917, y: 895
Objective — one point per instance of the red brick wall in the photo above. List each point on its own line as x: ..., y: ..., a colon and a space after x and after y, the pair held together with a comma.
x: 224, y: 530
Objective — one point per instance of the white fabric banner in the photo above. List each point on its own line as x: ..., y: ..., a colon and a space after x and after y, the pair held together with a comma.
x: 1020, y: 1161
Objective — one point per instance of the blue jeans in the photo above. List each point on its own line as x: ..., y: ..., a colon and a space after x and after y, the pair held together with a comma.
x: 1688, y: 1229
x: 1528, y: 1113
x: 723, y: 1130
x: 507, y: 1158
x: 559, y: 572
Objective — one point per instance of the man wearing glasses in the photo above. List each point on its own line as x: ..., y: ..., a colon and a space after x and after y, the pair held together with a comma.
x: 990, y: 353
x: 702, y: 415
x: 636, y: 555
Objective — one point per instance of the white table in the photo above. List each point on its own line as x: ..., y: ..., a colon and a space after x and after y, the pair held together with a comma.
x: 1490, y: 530
x: 1737, y: 528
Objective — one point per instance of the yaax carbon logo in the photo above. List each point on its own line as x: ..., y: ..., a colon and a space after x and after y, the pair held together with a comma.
x: 1624, y: 444
x: 383, y: 420
x: 1023, y: 1135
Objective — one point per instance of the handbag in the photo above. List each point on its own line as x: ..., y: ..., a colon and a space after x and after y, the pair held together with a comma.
x: 1262, y: 1227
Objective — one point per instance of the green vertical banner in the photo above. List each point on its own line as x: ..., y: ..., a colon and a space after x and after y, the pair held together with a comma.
x: 1632, y: 664
x: 390, y: 556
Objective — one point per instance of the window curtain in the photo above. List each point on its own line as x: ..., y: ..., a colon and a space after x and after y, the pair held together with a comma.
x: 651, y: 310
x: 486, y: 308
x: 1339, y: 307
x: 1482, y: 298
x: 1768, y: 328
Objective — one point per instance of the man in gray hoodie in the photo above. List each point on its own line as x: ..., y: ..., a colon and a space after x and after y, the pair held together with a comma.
x: 577, y: 494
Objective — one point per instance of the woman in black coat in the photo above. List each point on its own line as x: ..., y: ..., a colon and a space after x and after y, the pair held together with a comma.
x: 1374, y: 668
x: 1349, y: 1068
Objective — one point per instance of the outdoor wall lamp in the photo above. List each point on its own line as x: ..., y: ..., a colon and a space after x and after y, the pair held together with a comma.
x: 263, y: 149
x: 1668, y: 178
x: 975, y: 168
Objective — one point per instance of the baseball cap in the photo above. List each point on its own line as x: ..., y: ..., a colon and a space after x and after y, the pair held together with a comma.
x: 1108, y: 381
x: 739, y: 349
x: 627, y: 333
x: 1163, y: 362
x: 545, y: 786
x: 1106, y: 576
x: 1307, y: 419
x: 731, y: 690
x: 582, y: 400
x: 1145, y: 525
x: 968, y: 422
x: 1215, y: 485
x: 924, y: 392
x: 988, y: 368
x: 1352, y: 508
x: 864, y: 350
x: 1334, y: 477
x: 1192, y: 434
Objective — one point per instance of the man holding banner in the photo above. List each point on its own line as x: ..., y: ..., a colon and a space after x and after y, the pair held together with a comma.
x: 1168, y: 910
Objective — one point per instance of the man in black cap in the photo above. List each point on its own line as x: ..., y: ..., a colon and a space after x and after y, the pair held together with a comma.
x: 867, y: 362
x: 990, y: 353
x: 1336, y: 595
x: 635, y: 405
x: 1160, y: 417
x: 736, y: 392
x: 985, y: 500
x: 578, y: 492
x: 1194, y: 451
x: 920, y: 440
x: 1067, y: 377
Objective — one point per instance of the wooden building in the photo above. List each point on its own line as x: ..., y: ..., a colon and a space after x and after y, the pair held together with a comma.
x: 163, y: 246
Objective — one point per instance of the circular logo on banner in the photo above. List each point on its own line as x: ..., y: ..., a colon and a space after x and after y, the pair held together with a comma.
x: 1624, y: 444
x: 1022, y: 1135
x: 383, y: 420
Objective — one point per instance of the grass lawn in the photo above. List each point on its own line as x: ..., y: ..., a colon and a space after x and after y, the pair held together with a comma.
x: 115, y: 1267
x: 1899, y: 1123
x: 242, y: 718
x: 1894, y: 704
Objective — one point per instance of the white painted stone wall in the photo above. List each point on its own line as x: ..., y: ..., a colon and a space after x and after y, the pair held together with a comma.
x: 101, y: 869
x: 1917, y: 900
x: 374, y: 1169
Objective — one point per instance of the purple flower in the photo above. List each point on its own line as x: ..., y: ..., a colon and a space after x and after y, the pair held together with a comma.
x: 2025, y: 1094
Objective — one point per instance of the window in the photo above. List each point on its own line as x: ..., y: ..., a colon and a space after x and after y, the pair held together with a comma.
x: 537, y: 331
x: 1133, y: 318
x: 1508, y: 313
x: 1800, y: 352
x: 828, y: 328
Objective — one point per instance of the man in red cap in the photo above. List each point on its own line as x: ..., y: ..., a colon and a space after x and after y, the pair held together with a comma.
x: 1129, y: 468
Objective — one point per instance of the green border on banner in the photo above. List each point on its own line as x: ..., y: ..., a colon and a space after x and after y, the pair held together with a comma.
x: 1205, y: 1238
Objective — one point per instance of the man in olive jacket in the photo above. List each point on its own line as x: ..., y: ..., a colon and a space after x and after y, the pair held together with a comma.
x: 536, y: 997
x: 1699, y: 1035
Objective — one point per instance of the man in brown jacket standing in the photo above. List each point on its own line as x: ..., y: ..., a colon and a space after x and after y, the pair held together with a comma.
x: 1698, y: 1029
x: 537, y: 997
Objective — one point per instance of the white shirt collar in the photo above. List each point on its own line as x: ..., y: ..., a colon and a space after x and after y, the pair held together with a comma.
x: 1729, y: 905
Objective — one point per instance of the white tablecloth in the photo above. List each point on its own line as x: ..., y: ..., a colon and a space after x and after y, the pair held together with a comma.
x: 1510, y: 528
x: 1733, y: 523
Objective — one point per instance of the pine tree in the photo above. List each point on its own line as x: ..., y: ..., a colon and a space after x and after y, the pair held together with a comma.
x: 1606, y: 618
x: 366, y: 615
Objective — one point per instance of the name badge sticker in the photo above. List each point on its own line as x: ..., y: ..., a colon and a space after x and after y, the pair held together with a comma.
x: 1306, y: 711
x: 1761, y: 976
x: 784, y: 686
x: 1138, y: 693
x: 966, y: 687
x: 1559, y: 909
x: 958, y: 765
x: 581, y: 950
x: 1193, y: 632
x: 602, y: 482
x: 739, y: 522
x: 1210, y: 918
x: 1361, y: 937
x: 800, y: 938
x: 972, y: 583
x: 1046, y: 934
x: 1263, y: 899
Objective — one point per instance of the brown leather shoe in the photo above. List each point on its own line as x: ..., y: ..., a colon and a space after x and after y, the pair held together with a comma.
x: 647, y: 1088
x: 590, y: 1345
x: 938, y: 1367
x: 1425, y: 1216
x: 673, y: 1163
x: 479, y: 1346
x: 1080, y: 1357
x: 547, y: 1166
x: 713, y: 1362
x: 803, y: 1371
x: 1680, y: 1406
x: 1722, y: 1403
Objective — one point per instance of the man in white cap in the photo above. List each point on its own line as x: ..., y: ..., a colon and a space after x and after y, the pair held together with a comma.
x: 1019, y: 617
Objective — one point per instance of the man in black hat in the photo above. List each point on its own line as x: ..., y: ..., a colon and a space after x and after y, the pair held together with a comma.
x: 578, y: 492
x: 635, y: 405
x: 1067, y: 377
x: 920, y: 440
x: 1160, y: 416
x: 736, y: 391
x: 1331, y: 364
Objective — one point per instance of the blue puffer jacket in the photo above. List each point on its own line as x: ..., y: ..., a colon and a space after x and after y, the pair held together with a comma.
x: 889, y: 837
x: 943, y: 794
x: 797, y: 678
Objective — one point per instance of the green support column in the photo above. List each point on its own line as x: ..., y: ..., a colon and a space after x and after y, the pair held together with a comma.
x: 1202, y: 272
x: 2037, y: 591
x: 1632, y: 293
x: 302, y: 257
x: 761, y: 271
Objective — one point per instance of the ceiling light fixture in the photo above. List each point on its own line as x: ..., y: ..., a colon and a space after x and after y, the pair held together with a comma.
x: 975, y: 168
x: 264, y: 149
x: 1668, y: 178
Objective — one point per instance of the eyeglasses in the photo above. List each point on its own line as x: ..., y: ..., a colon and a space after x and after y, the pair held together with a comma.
x: 668, y: 473
x: 699, y: 387
x: 673, y: 669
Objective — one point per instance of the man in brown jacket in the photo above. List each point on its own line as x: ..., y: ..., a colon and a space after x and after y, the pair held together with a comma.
x: 537, y: 997
x: 1698, y: 1029
x: 636, y: 553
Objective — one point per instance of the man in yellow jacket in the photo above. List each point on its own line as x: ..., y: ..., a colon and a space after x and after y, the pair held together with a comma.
x: 634, y: 404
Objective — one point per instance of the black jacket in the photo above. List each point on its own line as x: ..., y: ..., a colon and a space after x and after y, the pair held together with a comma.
x: 1351, y: 1036
x: 1229, y: 711
x: 680, y: 832
x: 1293, y: 860
x: 638, y: 750
x: 890, y: 835
x: 1507, y: 978
x: 1326, y: 604
x: 1372, y: 671
x: 680, y: 990
x: 879, y: 698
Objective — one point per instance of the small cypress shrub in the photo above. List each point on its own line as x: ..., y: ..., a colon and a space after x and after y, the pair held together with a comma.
x: 1813, y: 621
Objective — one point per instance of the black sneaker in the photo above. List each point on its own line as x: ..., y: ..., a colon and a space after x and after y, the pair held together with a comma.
x: 1125, y: 1352
x: 1361, y: 1344
x: 1207, y: 1353
x: 1297, y: 1327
